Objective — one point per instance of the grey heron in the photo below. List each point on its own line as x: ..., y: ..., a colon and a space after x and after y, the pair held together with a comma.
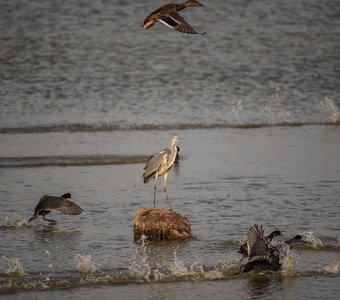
x: 52, y: 203
x: 159, y: 164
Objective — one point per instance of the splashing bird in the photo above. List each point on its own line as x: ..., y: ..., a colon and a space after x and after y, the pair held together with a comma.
x: 53, y: 203
x: 295, y: 241
x: 244, y: 250
x: 169, y: 16
x: 160, y: 164
x: 261, y: 255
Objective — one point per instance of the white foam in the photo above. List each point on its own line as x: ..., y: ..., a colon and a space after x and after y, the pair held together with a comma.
x: 311, y: 238
x: 288, y: 260
x: 331, y: 109
x: 15, y: 221
x: 273, y: 110
x: 11, y: 266
x: 236, y: 109
x: 140, y: 266
x: 178, y: 267
x: 333, y: 268
x: 143, y: 267
x: 84, y: 264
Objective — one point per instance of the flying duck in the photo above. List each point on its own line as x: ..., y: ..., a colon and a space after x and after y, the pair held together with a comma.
x: 169, y: 16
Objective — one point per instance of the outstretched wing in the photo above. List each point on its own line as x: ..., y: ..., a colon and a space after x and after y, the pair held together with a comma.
x: 175, y: 21
x: 69, y: 208
x: 256, y: 244
x: 49, y: 203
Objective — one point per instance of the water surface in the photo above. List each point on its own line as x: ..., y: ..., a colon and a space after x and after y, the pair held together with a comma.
x: 86, y: 97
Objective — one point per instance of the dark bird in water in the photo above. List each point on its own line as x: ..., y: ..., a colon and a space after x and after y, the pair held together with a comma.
x: 160, y: 164
x: 275, y: 233
x: 52, y: 203
x: 261, y: 255
x: 169, y: 16
x: 296, y: 241
x: 243, y: 248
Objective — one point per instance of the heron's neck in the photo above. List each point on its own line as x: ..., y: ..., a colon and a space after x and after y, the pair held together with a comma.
x: 173, y: 147
x: 173, y: 152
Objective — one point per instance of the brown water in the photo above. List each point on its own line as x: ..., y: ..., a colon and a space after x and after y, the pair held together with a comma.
x: 86, y: 97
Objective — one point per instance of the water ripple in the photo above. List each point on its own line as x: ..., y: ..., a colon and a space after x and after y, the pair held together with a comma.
x: 84, y: 160
x: 101, y: 127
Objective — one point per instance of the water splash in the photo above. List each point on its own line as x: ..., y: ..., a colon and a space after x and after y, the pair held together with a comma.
x: 288, y: 259
x: 177, y: 267
x: 195, y: 271
x: 312, y: 239
x: 236, y: 109
x: 144, y: 268
x: 331, y: 110
x: 15, y: 221
x: 84, y: 264
x: 140, y: 266
x: 333, y: 268
x: 274, y: 113
x: 284, y: 116
x: 11, y: 266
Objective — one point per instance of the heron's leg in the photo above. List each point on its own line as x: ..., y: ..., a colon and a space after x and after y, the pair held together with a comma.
x: 166, y: 194
x: 154, y: 191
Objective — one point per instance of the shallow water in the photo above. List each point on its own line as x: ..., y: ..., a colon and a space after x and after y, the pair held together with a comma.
x: 285, y: 178
x: 86, y: 97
